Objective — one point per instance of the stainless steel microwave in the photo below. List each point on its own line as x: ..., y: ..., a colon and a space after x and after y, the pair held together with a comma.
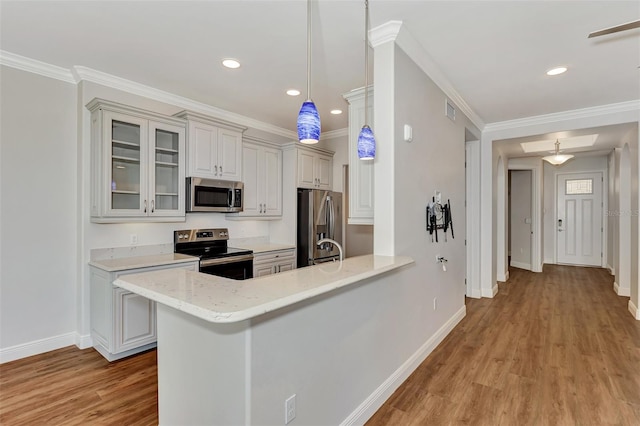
x: 210, y: 195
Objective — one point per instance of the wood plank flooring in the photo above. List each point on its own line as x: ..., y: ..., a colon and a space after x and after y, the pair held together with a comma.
x: 557, y: 348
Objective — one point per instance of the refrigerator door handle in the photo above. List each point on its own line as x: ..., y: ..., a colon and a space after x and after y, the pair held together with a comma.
x: 332, y: 219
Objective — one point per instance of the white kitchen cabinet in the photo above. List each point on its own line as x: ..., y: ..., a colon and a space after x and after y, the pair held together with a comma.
x: 262, y: 165
x: 273, y: 262
x: 123, y: 323
x: 315, y: 168
x: 214, y: 147
x: 137, y: 164
x: 361, y: 173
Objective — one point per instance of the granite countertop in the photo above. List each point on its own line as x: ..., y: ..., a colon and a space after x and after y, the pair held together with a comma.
x: 135, y: 262
x: 264, y: 247
x: 221, y: 300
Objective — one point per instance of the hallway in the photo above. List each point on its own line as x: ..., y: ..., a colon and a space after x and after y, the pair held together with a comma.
x: 556, y: 348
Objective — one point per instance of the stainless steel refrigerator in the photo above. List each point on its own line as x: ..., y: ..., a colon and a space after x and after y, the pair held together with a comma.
x: 319, y: 216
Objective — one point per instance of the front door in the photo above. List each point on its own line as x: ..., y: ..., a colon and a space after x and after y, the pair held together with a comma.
x: 579, y: 219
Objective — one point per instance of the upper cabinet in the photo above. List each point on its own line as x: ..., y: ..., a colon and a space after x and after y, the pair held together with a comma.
x: 262, y: 165
x: 214, y: 147
x: 137, y: 164
x: 315, y: 168
x: 361, y: 179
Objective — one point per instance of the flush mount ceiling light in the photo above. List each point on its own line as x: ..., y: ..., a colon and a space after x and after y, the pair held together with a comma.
x: 308, y: 118
x: 366, y: 140
x: 336, y: 111
x: 293, y: 92
x: 557, y: 158
x: 231, y: 63
x: 557, y: 70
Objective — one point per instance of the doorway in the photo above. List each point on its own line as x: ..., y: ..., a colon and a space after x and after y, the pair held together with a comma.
x: 520, y: 219
x: 579, y: 219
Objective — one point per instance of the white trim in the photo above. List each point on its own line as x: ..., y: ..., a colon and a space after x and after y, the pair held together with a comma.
x: 564, y: 115
x: 503, y: 276
x: 37, y: 67
x: 397, y: 32
x: 611, y: 269
x: 472, y: 198
x: 334, y: 134
x: 476, y: 293
x: 621, y: 291
x: 490, y: 293
x: 634, y: 310
x: 374, y: 401
x: 520, y: 265
x: 80, y: 73
x: 99, y: 77
x: 83, y: 341
x: 37, y: 347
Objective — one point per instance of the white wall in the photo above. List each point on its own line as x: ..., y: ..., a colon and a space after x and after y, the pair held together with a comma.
x: 634, y: 147
x: 576, y: 165
x: 612, y: 220
x: 38, y: 215
x: 520, y: 233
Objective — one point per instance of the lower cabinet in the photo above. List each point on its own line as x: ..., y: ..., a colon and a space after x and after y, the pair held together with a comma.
x: 123, y: 323
x: 272, y: 262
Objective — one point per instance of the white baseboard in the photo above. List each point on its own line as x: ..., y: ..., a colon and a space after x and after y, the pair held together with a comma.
x: 475, y: 294
x: 634, y: 310
x: 37, y: 347
x: 83, y: 341
x: 503, y: 277
x: 490, y: 293
x: 621, y: 291
x: 374, y: 401
x: 521, y: 265
x: 612, y: 271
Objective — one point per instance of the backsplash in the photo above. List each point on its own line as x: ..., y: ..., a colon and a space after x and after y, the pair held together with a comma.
x: 130, y: 251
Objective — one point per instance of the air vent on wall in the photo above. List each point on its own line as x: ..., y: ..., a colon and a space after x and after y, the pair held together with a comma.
x: 450, y: 111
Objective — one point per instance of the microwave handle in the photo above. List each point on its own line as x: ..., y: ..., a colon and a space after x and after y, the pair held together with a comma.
x: 231, y: 197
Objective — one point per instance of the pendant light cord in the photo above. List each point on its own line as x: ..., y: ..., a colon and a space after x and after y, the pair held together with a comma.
x: 366, y: 62
x: 309, y: 50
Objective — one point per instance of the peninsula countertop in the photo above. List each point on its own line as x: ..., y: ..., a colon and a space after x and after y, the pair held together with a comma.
x: 222, y: 300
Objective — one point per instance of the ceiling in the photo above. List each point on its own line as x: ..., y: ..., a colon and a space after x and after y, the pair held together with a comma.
x: 494, y: 53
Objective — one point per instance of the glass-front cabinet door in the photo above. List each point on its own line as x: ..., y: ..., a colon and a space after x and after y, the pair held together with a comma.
x: 167, y: 176
x: 128, y: 169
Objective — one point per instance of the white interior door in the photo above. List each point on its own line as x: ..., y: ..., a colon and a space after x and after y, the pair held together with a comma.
x: 579, y: 219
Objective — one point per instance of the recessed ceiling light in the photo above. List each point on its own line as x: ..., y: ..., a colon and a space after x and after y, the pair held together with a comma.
x: 557, y: 70
x: 231, y: 63
x: 293, y: 92
x: 336, y: 111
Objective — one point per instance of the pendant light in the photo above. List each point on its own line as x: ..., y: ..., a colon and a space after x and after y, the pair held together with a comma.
x: 557, y: 158
x: 308, y: 118
x: 366, y: 140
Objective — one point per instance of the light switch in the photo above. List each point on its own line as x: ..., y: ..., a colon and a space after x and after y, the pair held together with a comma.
x: 408, y: 133
x: 527, y: 220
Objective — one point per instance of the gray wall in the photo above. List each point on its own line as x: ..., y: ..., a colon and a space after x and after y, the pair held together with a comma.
x: 520, y: 212
x: 38, y: 221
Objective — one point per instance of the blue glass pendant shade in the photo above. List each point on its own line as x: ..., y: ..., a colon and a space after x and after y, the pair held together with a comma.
x: 308, y: 123
x: 366, y: 144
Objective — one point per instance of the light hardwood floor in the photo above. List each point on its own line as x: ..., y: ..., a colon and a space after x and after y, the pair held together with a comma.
x: 557, y: 348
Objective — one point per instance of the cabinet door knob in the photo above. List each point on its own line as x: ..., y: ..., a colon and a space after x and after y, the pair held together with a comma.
x: 220, y: 170
x: 153, y: 206
x: 145, y: 206
x: 215, y: 170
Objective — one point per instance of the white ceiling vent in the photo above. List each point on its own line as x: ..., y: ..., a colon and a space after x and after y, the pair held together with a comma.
x: 450, y: 110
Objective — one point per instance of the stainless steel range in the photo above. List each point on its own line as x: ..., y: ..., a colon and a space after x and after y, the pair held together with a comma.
x: 216, y: 258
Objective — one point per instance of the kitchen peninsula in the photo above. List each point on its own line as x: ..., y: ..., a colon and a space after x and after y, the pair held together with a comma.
x: 231, y: 352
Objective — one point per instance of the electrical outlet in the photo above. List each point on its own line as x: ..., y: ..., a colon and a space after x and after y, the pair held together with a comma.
x: 290, y: 409
x: 435, y: 303
x: 133, y: 239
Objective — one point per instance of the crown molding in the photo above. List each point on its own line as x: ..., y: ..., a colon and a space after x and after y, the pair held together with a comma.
x: 334, y: 134
x: 598, y: 111
x: 384, y: 33
x: 397, y: 32
x: 99, y: 77
x: 80, y: 73
x: 36, y: 67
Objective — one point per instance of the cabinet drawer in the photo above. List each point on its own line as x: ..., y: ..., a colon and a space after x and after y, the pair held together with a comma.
x: 274, y: 256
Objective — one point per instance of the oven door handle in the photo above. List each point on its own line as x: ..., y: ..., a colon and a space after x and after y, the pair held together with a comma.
x: 223, y: 260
